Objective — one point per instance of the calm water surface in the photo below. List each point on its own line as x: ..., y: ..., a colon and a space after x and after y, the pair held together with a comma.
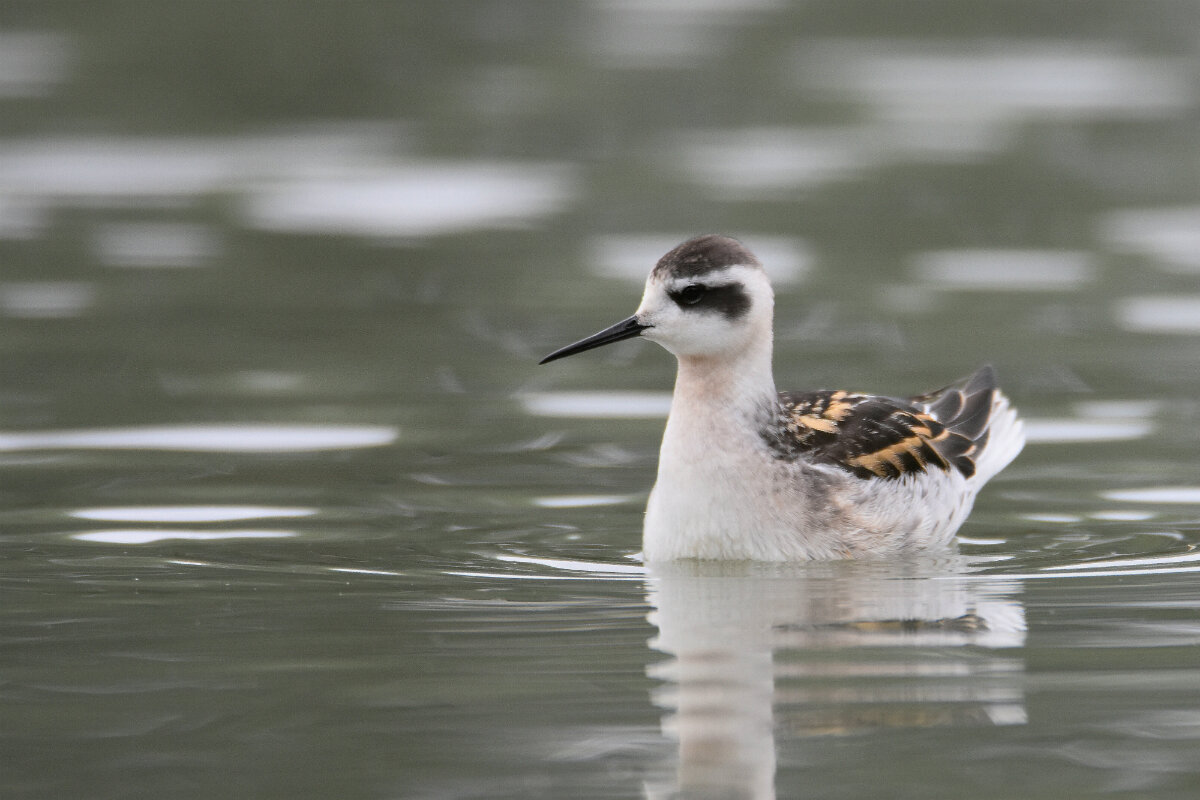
x: 287, y: 509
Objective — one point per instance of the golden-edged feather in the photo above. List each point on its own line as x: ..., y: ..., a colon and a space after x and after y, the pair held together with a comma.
x: 888, y: 437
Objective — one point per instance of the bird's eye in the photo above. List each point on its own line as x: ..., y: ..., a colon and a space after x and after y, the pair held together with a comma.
x: 690, y: 295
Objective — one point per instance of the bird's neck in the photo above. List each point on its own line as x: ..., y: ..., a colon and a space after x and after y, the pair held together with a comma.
x: 738, y: 389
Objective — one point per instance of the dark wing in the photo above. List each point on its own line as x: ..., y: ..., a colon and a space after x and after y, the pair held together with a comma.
x: 888, y: 437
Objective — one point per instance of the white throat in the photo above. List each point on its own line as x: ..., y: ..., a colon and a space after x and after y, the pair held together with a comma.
x: 712, y: 453
x: 732, y: 385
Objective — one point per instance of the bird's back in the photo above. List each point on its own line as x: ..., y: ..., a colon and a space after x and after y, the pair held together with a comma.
x: 967, y: 427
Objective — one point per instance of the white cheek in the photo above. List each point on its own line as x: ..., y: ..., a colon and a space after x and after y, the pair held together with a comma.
x: 689, y: 333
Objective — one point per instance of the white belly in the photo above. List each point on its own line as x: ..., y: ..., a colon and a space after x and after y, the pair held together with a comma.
x: 736, y: 503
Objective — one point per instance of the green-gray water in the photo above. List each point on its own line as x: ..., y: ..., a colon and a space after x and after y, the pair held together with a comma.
x: 287, y: 509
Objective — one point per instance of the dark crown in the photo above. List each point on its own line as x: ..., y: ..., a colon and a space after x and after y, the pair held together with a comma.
x: 702, y: 255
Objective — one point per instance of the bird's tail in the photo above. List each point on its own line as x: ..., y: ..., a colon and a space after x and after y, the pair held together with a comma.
x: 974, y: 408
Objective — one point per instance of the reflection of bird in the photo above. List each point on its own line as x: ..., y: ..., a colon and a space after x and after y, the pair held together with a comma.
x: 746, y: 473
x: 763, y: 655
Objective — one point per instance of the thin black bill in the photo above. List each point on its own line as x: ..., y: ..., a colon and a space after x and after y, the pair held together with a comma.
x: 625, y: 329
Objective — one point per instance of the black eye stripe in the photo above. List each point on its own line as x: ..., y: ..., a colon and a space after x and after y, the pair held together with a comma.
x: 729, y: 300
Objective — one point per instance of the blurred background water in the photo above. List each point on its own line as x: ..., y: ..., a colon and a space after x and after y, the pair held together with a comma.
x: 287, y: 509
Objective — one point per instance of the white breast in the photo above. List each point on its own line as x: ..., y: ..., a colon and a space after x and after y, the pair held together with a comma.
x: 721, y: 495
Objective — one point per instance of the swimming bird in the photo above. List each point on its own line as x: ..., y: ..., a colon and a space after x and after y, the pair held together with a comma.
x: 747, y: 473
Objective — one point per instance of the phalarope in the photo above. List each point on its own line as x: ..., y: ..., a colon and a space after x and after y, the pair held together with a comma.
x: 746, y: 473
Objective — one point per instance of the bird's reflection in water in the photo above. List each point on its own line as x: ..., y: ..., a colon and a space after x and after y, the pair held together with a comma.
x: 759, y: 651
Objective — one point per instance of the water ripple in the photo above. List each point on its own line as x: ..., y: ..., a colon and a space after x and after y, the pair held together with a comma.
x: 581, y: 500
x: 32, y: 63
x: 573, y: 565
x: 1170, y: 235
x: 1004, y: 270
x: 46, y: 299
x: 1169, y: 314
x: 414, y: 201
x: 152, y: 535
x: 599, y: 405
x: 997, y: 81
x: 1127, y: 562
x: 156, y: 244
x: 1156, y: 494
x: 188, y: 513
x: 232, y: 438
x: 1061, y: 431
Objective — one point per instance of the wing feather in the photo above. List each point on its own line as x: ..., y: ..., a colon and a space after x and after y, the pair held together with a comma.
x: 887, y: 437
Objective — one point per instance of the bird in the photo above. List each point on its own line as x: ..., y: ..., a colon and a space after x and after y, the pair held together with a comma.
x: 746, y: 473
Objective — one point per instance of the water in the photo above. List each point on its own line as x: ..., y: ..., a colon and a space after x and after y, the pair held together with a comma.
x: 287, y: 509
